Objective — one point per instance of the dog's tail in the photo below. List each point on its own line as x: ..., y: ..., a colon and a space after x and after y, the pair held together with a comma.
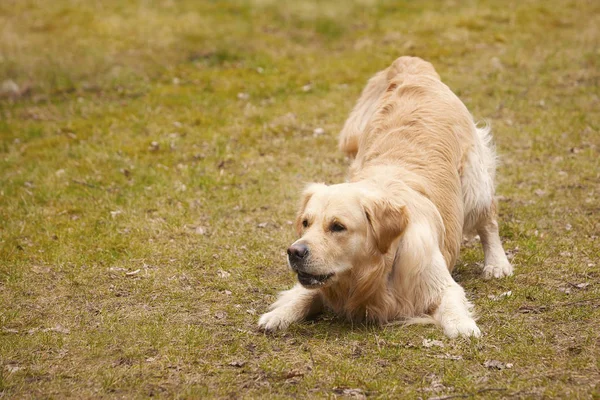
x: 488, y: 148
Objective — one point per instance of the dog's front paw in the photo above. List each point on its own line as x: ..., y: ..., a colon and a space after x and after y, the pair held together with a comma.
x: 274, y: 320
x: 464, y: 327
x: 498, y: 269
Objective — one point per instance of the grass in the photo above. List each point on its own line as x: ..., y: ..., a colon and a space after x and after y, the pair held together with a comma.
x: 151, y: 158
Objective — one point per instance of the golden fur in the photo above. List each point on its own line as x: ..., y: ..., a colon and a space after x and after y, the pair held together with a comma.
x: 380, y: 246
x: 424, y: 131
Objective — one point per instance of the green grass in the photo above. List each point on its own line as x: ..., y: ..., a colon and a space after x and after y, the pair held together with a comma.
x: 132, y: 270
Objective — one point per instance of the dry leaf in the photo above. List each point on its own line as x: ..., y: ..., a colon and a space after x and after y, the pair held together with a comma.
x: 115, y: 213
x: 500, y: 296
x: 497, y: 64
x: 293, y: 373
x: 9, y: 87
x: 58, y: 329
x: 435, y: 385
x: 355, y: 393
x: 237, y: 364
x: 12, y: 368
x: 431, y: 343
x: 40, y: 270
x: 495, y: 364
x: 448, y: 357
x: 223, y: 274
x: 220, y: 315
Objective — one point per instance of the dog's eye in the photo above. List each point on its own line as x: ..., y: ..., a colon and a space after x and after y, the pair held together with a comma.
x: 337, y: 227
x: 305, y: 223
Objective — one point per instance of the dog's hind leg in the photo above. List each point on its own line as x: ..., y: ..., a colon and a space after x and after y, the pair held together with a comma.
x: 480, y: 207
x: 293, y: 305
x: 496, y: 262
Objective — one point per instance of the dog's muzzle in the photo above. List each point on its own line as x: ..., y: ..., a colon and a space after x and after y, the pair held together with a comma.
x: 298, y: 255
x: 310, y: 280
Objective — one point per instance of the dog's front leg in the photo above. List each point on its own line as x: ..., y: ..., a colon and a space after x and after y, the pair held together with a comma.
x: 293, y: 305
x: 422, y: 271
x: 454, y: 313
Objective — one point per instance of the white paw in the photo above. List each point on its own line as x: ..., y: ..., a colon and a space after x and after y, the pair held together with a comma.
x: 274, y: 320
x: 498, y: 269
x: 464, y: 327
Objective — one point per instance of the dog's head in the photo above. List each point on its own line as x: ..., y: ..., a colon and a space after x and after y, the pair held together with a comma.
x: 342, y: 228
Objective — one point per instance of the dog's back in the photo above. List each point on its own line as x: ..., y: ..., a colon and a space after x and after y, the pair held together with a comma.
x: 420, y: 126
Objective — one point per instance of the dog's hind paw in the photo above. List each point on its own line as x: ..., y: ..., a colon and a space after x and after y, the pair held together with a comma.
x: 497, y: 270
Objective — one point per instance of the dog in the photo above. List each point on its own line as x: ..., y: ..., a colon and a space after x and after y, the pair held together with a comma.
x: 381, y: 246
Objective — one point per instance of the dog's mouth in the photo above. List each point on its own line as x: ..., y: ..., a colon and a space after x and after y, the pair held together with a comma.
x: 310, y: 280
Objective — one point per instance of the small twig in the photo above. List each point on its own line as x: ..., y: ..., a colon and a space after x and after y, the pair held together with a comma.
x: 538, y: 309
x: 465, y: 395
x: 312, y: 360
x: 578, y: 301
x: 377, y: 342
x: 526, y: 309
x: 85, y: 184
x: 574, y: 285
x: 454, y: 396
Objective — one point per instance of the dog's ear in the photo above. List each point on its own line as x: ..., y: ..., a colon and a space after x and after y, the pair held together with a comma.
x: 387, y: 221
x: 308, y: 192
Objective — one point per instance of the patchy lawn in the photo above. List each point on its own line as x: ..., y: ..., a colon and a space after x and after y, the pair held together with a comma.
x: 151, y: 157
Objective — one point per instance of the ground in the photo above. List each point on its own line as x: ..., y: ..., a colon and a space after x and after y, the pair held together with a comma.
x: 151, y: 159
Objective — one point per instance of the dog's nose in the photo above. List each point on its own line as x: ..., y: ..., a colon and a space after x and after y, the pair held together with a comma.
x: 297, y: 251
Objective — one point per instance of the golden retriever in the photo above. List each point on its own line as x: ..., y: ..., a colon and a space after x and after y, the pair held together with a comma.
x: 381, y: 246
